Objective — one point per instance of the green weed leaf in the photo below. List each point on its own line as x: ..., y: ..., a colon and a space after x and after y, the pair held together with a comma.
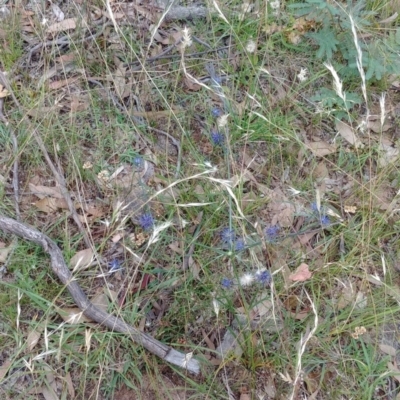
x: 327, y: 42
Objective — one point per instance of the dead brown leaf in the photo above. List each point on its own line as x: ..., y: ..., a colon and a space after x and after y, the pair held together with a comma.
x: 322, y: 148
x: 119, y: 79
x: 57, y: 12
x: 70, y: 385
x: 66, y: 24
x: 63, y: 82
x: 162, y: 36
x: 388, y: 152
x: 347, y: 295
x: 50, y: 205
x: 300, y: 315
x: 281, y: 209
x: 4, y: 252
x: 44, y: 191
x: 193, y: 86
x: 78, y: 103
x: 320, y: 172
x: 33, y: 338
x: 3, y: 92
x: 375, y: 126
x: 100, y: 301
x: 64, y: 59
x: 81, y: 260
x: 151, y: 16
x: 4, y: 369
x: 301, y: 274
x: 40, y: 112
x: 72, y: 315
x: 395, y: 371
x: 347, y: 133
x: 305, y: 238
x: 387, y: 349
x: 248, y: 199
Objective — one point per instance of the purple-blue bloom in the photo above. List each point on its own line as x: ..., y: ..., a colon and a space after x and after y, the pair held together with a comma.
x: 217, y: 138
x: 137, y: 161
x: 264, y: 277
x: 226, y: 283
x: 228, y: 236
x: 229, y: 239
x: 114, y: 265
x: 146, y: 221
x: 272, y: 232
x: 314, y: 207
x: 239, y: 244
x: 216, y: 112
x: 325, y: 220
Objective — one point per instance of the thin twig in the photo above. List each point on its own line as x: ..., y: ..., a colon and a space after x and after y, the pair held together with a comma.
x: 169, y: 56
x: 65, y: 40
x: 60, y: 268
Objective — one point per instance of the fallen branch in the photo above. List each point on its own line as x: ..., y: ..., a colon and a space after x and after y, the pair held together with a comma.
x: 60, y: 268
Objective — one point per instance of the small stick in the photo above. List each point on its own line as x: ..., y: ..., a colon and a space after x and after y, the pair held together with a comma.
x: 163, y: 56
x: 60, y: 268
x: 65, y: 40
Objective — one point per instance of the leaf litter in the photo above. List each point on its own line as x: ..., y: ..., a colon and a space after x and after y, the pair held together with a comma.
x: 279, y: 208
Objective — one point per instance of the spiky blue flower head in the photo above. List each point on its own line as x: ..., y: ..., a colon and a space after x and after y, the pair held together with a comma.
x: 325, y: 220
x: 272, y: 232
x: 217, y: 138
x: 138, y: 162
x: 264, y: 277
x: 227, y: 283
x: 239, y: 244
x: 314, y: 207
x: 228, y: 236
x: 216, y: 112
x: 114, y: 265
x: 146, y: 221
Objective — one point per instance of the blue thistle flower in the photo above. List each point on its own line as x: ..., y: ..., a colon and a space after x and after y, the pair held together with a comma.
x: 226, y: 283
x: 272, y: 232
x: 228, y: 236
x: 138, y: 161
x: 264, y: 277
x: 216, y: 112
x: 239, y: 244
x: 146, y: 221
x: 229, y: 239
x: 217, y: 138
x: 325, y: 220
x: 114, y: 265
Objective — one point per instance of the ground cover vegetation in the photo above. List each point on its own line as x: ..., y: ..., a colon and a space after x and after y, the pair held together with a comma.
x: 222, y: 176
